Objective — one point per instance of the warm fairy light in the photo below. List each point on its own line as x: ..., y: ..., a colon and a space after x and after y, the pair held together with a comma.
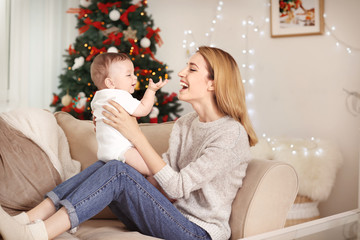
x: 69, y: 68
x: 89, y: 84
x: 153, y: 73
x: 159, y: 69
x: 85, y: 45
x: 190, y: 45
x: 330, y: 31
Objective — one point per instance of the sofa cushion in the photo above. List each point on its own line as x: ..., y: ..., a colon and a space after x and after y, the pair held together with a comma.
x: 109, y: 230
x: 26, y: 172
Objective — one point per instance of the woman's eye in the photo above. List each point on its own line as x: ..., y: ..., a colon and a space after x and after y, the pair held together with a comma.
x: 192, y: 70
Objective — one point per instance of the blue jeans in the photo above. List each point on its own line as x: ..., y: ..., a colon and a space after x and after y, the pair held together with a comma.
x: 133, y: 199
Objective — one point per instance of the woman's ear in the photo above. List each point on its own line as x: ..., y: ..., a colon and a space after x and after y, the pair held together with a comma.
x: 211, y: 86
x: 109, y: 83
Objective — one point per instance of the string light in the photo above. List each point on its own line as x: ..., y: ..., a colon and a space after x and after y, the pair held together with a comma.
x: 330, y: 31
x: 248, y: 67
x: 189, y: 43
x: 303, y: 147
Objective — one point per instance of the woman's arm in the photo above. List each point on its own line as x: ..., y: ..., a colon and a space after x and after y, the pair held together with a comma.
x: 129, y: 128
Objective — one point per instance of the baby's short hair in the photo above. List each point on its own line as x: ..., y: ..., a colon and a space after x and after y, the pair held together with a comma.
x: 99, y: 69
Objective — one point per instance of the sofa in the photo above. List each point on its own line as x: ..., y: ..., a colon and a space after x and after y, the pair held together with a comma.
x: 40, y: 149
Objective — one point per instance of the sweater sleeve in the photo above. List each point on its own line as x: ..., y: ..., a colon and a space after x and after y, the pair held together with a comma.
x: 224, y: 151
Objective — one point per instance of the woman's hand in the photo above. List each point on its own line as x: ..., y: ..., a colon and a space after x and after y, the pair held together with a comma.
x: 94, y: 120
x: 127, y: 125
x: 119, y: 119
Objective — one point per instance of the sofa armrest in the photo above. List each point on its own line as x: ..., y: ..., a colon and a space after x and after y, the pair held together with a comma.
x: 262, y: 203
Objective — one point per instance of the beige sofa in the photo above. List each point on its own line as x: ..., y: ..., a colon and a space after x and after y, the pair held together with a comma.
x: 261, y: 205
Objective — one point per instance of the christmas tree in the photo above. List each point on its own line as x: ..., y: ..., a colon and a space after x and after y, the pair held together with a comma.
x: 113, y: 26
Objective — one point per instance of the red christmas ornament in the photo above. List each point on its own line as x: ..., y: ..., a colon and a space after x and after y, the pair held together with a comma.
x: 165, y: 118
x: 55, y: 99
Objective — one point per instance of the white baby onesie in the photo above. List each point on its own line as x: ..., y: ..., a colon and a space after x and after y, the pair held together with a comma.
x: 111, y: 143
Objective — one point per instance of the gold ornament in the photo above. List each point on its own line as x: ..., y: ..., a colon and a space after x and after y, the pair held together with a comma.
x: 137, y: 86
x: 66, y: 100
x: 130, y: 33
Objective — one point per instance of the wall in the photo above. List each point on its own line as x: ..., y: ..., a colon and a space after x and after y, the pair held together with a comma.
x: 298, y: 81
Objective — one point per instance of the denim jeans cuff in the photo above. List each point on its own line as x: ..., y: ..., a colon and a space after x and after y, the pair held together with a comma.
x: 74, y: 220
x: 54, y: 198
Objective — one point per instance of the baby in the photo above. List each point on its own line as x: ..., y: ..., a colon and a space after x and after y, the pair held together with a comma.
x: 113, y: 75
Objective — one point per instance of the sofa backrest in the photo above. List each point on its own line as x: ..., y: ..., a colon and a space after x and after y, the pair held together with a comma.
x: 82, y: 140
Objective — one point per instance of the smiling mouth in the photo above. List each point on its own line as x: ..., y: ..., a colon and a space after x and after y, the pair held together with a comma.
x: 184, y: 85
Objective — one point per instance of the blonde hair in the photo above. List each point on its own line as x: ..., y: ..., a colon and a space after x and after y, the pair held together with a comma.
x: 99, y: 69
x: 229, y: 89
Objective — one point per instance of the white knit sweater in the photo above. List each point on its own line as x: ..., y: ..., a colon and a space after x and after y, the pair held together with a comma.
x: 206, y: 163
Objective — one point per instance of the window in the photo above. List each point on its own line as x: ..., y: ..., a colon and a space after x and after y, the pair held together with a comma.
x: 4, y: 49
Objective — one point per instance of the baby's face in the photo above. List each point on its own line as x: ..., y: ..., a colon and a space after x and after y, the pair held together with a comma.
x: 122, y: 73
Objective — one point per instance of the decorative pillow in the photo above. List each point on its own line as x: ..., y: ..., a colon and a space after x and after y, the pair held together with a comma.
x: 26, y: 172
x: 81, y: 137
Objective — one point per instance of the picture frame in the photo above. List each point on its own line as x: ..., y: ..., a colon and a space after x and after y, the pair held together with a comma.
x: 291, y: 18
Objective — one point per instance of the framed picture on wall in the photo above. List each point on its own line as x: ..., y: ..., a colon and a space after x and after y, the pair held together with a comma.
x: 296, y: 17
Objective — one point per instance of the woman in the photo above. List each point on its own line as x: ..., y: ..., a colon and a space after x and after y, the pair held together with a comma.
x: 201, y: 171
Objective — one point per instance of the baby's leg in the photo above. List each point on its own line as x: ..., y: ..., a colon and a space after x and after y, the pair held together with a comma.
x: 134, y: 159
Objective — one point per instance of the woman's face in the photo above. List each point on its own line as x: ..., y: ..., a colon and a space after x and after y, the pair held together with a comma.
x: 194, y: 80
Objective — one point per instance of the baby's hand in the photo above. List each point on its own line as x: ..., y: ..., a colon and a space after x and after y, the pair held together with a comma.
x: 156, y: 86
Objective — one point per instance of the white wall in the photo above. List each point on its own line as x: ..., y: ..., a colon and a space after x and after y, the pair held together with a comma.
x: 298, y: 81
